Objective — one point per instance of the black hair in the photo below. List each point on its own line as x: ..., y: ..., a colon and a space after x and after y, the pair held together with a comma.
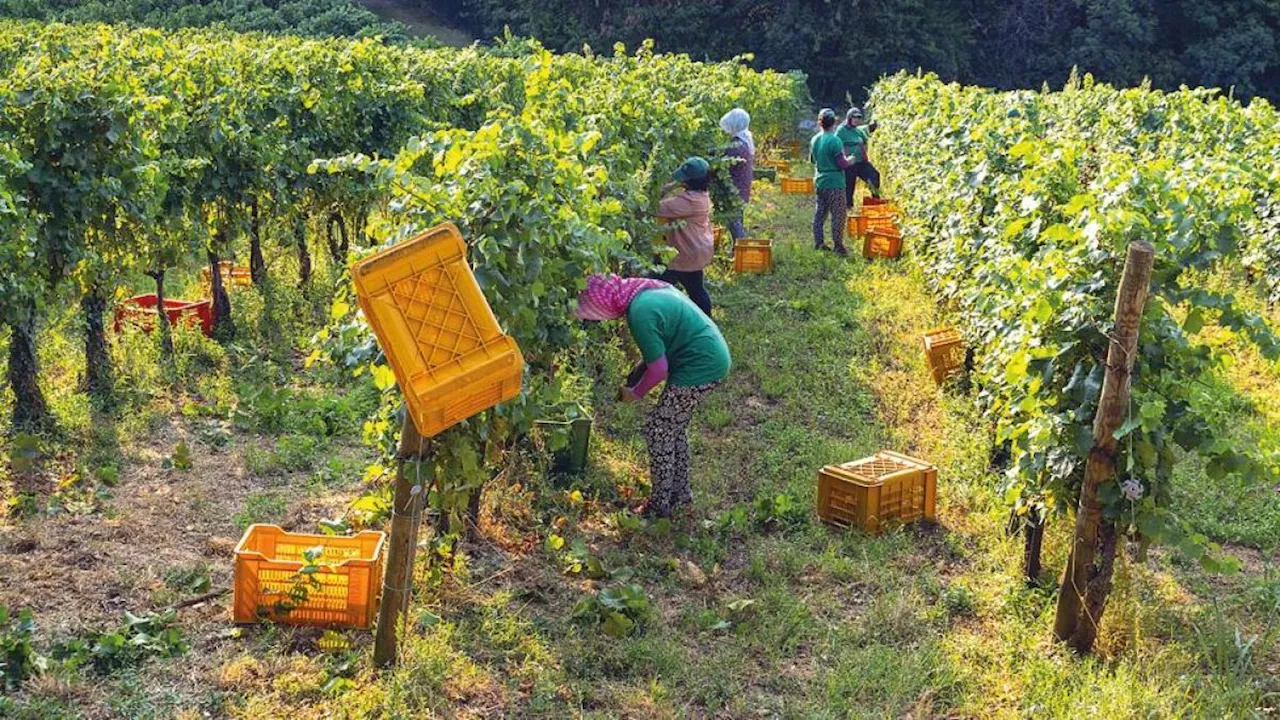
x: 828, y: 121
x: 698, y: 184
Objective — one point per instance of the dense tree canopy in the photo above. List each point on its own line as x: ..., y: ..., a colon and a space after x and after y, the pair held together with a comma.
x: 845, y: 45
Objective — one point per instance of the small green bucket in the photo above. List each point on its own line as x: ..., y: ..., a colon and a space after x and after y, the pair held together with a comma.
x: 572, y: 459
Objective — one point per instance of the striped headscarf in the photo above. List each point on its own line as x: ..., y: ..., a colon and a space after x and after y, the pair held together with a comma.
x: 607, y: 297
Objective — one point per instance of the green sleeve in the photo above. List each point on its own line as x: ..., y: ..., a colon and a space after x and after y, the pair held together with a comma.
x: 643, y: 322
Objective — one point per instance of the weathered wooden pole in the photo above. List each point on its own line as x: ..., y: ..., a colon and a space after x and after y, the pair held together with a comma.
x: 1088, y: 568
x: 406, y: 517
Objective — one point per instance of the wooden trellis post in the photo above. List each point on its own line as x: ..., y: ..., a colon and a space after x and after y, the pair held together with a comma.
x: 1087, y: 579
x: 406, y: 517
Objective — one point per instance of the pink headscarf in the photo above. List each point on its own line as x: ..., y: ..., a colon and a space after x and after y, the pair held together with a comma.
x: 607, y: 297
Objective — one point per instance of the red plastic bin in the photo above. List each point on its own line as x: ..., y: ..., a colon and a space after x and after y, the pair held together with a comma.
x: 140, y: 310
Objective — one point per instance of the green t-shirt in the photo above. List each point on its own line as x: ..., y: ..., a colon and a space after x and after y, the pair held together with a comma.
x: 823, y: 149
x: 665, y: 322
x: 854, y: 140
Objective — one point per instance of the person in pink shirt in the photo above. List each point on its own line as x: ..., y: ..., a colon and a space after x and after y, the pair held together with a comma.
x: 689, y: 212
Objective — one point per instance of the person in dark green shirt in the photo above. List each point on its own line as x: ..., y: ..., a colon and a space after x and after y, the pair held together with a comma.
x: 681, y: 345
x: 854, y: 135
x: 829, y: 163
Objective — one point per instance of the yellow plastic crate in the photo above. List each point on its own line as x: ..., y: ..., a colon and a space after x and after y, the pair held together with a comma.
x: 440, y: 337
x: 233, y: 276
x: 343, y: 592
x: 878, y: 243
x: 753, y: 256
x: 797, y: 186
x: 944, y: 349
x: 885, y: 489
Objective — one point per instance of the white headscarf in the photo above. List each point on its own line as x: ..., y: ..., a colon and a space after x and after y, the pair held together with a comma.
x: 735, y: 122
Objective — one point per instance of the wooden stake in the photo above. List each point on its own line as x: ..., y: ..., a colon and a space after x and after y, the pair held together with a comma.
x: 406, y: 516
x: 1075, y: 624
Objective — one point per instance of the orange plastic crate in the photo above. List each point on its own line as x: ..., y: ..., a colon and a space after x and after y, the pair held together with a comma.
x: 879, y: 243
x: 797, y: 186
x: 753, y: 256
x: 882, y: 490
x: 344, y: 592
x: 233, y: 276
x: 855, y: 226
x: 945, y: 351
x: 440, y: 337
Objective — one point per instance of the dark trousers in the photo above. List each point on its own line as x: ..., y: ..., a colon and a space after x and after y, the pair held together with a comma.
x: 867, y: 173
x: 693, y: 283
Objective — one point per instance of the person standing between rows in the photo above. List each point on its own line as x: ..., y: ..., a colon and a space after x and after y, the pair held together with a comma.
x: 742, y: 146
x: 680, y: 345
x: 855, y: 135
x: 829, y: 164
x: 692, y: 237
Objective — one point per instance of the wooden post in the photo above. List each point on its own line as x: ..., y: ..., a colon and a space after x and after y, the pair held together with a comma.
x: 1076, y: 624
x: 1033, y: 539
x: 406, y: 516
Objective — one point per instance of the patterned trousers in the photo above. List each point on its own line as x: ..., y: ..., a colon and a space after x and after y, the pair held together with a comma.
x: 830, y: 202
x: 667, y: 434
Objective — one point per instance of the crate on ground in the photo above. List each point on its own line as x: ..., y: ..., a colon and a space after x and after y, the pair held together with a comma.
x: 883, y: 490
x: 338, y: 586
x: 944, y: 349
x: 450, y: 357
x: 233, y: 276
x: 882, y: 243
x: 753, y: 256
x: 140, y: 311
x: 797, y: 186
x: 855, y: 225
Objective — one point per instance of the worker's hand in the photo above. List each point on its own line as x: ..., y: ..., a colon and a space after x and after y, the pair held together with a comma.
x: 627, y: 395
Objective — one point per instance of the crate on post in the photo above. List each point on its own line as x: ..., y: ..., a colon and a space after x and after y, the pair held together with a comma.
x: 881, y: 243
x: 717, y: 236
x: 338, y: 587
x: 449, y: 356
x: 873, y: 493
x: 945, y: 351
x: 753, y: 256
x: 795, y: 148
x: 797, y: 186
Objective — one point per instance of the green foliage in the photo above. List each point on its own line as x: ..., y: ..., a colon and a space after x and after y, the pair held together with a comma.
x: 18, y: 658
x: 132, y: 643
x: 619, y: 611
x: 1021, y: 207
x: 311, y: 18
x: 845, y: 47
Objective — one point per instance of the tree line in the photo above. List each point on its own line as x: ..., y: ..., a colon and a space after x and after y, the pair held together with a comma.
x: 846, y: 45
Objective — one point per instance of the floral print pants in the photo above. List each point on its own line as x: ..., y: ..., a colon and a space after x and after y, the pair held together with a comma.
x: 830, y: 202
x: 667, y: 434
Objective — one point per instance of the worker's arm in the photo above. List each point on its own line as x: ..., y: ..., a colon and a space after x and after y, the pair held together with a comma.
x: 654, y: 373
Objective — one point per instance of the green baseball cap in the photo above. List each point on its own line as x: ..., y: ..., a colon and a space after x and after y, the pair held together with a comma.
x: 695, y: 168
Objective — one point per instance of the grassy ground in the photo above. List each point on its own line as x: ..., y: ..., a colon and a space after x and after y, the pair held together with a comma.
x: 750, y: 609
